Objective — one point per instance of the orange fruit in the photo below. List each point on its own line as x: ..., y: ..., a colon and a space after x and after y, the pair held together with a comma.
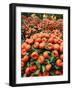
x: 22, y: 64
x: 38, y: 40
x: 34, y: 55
x: 33, y: 68
x: 42, y: 34
x: 61, y: 44
x: 61, y: 49
x: 50, y: 46
x: 55, y: 53
x: 29, y: 41
x: 27, y: 47
x: 26, y: 36
x: 59, y: 63
x: 47, y: 35
x: 50, y: 40
x: 48, y: 67
x: 45, y: 74
x: 61, y: 56
x: 23, y: 51
x: 41, y: 60
x: 34, y: 36
x: 52, y: 36
x: 36, y: 45
x: 27, y: 71
x: 39, y: 74
x: 25, y: 58
x: 45, y: 54
x: 56, y: 46
x: 57, y: 72
x: 42, y: 45
x: 23, y: 45
x: 60, y: 41
x: 39, y: 35
x: 44, y: 39
x: 55, y: 40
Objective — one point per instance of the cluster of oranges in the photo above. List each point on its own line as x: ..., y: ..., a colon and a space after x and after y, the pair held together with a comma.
x: 31, y: 25
x: 42, y: 52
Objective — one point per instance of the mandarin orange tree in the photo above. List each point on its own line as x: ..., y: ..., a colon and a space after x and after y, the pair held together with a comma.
x: 42, y: 45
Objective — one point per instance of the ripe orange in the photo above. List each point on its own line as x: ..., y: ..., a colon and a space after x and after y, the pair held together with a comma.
x: 29, y: 41
x: 61, y: 56
x: 38, y: 40
x: 41, y: 60
x: 55, y: 40
x: 61, y: 49
x: 22, y: 64
x: 50, y: 46
x: 27, y: 47
x: 25, y: 58
x: 57, y: 72
x: 55, y: 53
x: 52, y: 36
x: 44, y: 39
x: 60, y: 41
x: 45, y: 74
x: 39, y: 35
x: 34, y: 55
x: 50, y: 40
x: 23, y: 51
x: 23, y: 45
x: 59, y: 63
x: 56, y: 46
x: 48, y: 67
x: 34, y: 36
x: 27, y: 71
x: 42, y: 34
x: 39, y: 74
x: 33, y: 68
x: 36, y: 45
x: 42, y: 45
x: 45, y: 54
x: 47, y: 35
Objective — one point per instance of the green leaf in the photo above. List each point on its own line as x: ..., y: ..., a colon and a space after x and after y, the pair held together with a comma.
x: 43, y: 68
x: 51, y: 59
x: 47, y: 61
x: 28, y: 64
x: 56, y: 67
x: 24, y: 68
x: 36, y: 50
x: 51, y: 53
x: 32, y: 61
x: 30, y: 52
x: 32, y: 26
x: 38, y: 65
x: 52, y: 73
x: 36, y: 73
